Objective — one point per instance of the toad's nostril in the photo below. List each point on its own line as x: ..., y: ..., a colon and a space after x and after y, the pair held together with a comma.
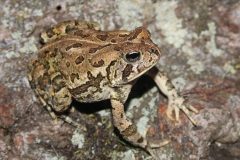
x: 155, y: 51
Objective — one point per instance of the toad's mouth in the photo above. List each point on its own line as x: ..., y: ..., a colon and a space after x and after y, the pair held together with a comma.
x: 139, y: 75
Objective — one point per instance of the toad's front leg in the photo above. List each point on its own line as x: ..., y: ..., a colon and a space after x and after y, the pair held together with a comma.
x: 129, y: 130
x: 125, y: 126
x: 175, y: 101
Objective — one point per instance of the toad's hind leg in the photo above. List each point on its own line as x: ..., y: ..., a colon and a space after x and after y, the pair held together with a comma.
x: 61, y: 98
x: 54, y: 116
x: 52, y: 92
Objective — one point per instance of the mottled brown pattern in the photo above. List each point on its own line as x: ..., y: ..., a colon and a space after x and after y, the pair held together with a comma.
x: 95, y: 81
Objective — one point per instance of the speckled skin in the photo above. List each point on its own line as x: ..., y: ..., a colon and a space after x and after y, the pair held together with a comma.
x: 82, y: 62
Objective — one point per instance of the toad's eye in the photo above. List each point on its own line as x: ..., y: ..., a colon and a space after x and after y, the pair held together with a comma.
x: 132, y: 56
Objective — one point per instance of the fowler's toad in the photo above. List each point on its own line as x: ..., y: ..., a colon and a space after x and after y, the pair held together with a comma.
x: 82, y: 62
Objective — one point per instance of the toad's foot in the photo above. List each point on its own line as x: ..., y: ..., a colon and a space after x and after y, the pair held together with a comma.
x: 175, y: 101
x: 175, y: 105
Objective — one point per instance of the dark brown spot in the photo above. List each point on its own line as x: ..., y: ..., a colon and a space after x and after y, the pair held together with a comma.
x: 54, y: 52
x: 69, y: 29
x: 155, y: 51
x: 46, y: 65
x: 123, y: 35
x: 75, y: 45
x: 90, y: 76
x: 76, y: 23
x: 68, y: 64
x: 117, y: 48
x: 113, y: 40
x: 79, y: 60
x: 102, y: 37
x: 57, y: 87
x: 32, y: 84
x: 93, y: 50
x: 108, y: 69
x: 140, y: 140
x: 55, y: 49
x: 43, y: 81
x: 93, y: 82
x: 126, y: 72
x: 150, y: 59
x: 169, y: 85
x: 57, y: 78
x: 98, y: 64
x: 81, y: 34
x: 129, y: 131
x: 63, y: 53
x: 50, y: 32
x: 121, y: 115
x: 73, y: 76
x: 66, y: 96
x: 44, y: 54
x: 135, y: 34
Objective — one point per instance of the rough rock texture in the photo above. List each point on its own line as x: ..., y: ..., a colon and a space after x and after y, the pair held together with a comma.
x: 201, y: 43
